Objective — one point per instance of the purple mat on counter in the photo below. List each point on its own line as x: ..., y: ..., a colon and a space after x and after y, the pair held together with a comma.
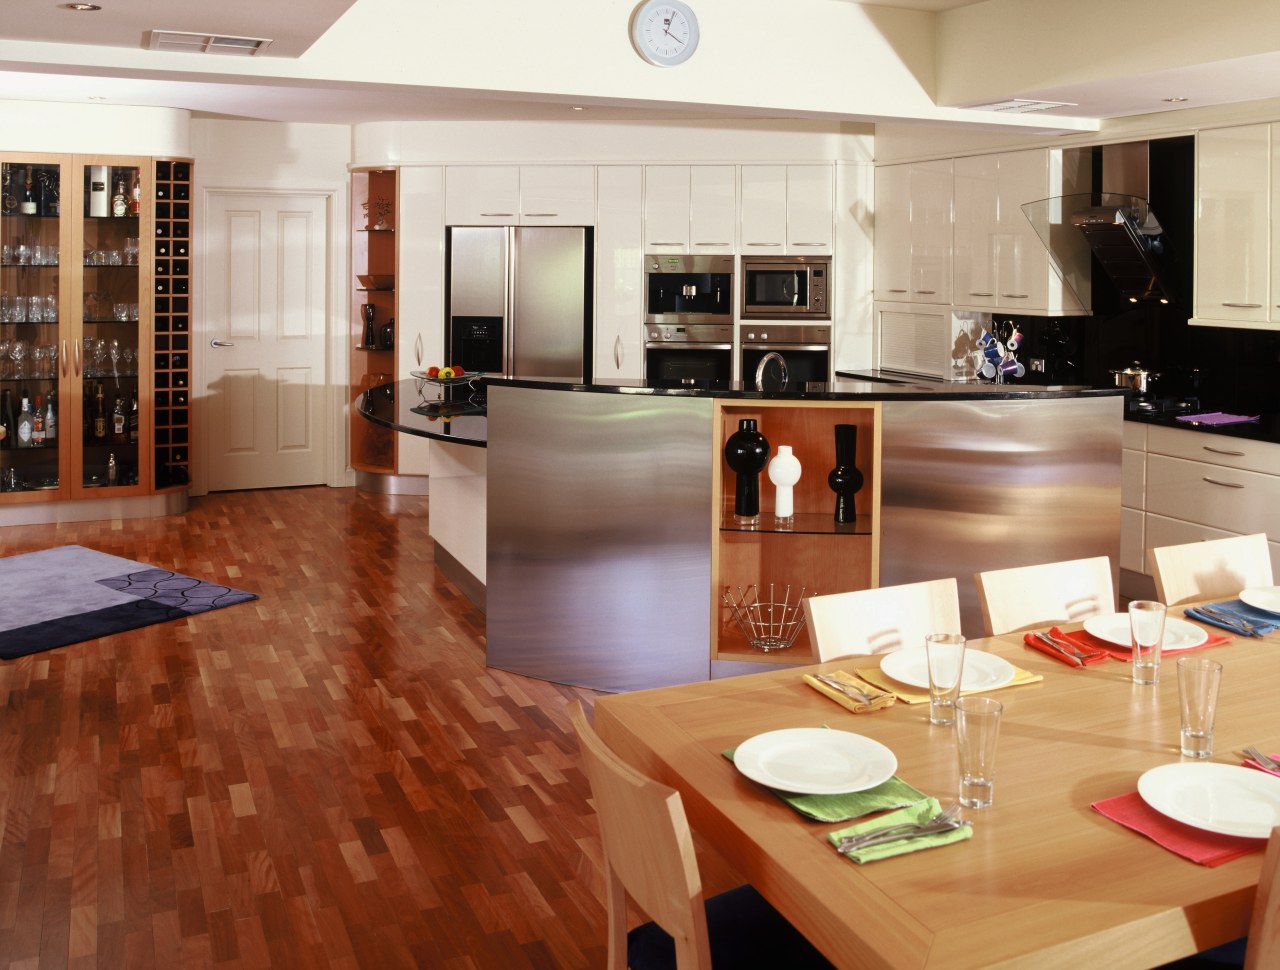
x: 1216, y: 417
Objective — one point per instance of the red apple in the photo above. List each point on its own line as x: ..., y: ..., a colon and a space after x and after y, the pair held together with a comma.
x: 433, y: 371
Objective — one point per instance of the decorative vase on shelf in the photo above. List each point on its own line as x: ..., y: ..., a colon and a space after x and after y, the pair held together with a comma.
x: 747, y: 452
x: 845, y: 479
x: 367, y: 312
x: 784, y: 472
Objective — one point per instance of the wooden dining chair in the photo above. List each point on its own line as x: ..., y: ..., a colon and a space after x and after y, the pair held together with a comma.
x: 881, y: 620
x: 649, y: 856
x: 1211, y: 568
x: 1026, y: 597
x: 1260, y: 950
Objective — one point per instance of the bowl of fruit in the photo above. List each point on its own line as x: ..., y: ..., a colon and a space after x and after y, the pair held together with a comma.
x: 451, y: 374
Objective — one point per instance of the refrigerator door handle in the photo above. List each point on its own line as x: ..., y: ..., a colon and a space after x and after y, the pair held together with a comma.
x: 509, y: 305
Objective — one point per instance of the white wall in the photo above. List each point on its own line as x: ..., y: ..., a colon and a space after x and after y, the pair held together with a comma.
x: 31, y: 126
x: 256, y: 156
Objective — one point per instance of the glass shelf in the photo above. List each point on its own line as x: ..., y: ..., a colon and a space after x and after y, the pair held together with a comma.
x: 802, y: 523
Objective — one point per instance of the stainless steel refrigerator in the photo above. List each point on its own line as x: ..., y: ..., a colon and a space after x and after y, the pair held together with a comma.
x: 519, y: 300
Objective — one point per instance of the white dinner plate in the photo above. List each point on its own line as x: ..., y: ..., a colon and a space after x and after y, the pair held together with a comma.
x: 815, y: 761
x: 1226, y: 799
x: 1263, y: 598
x: 1114, y: 628
x: 982, y: 671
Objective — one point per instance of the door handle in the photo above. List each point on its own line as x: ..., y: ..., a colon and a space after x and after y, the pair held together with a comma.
x: 617, y: 352
x: 215, y: 342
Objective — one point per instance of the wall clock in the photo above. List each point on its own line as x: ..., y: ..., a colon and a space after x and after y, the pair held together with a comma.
x: 664, y: 32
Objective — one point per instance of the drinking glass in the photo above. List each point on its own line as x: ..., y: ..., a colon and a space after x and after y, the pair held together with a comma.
x: 977, y: 730
x: 1146, y: 628
x: 945, y: 656
x: 1198, y: 681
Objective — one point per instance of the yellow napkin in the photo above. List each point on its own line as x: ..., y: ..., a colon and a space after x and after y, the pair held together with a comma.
x: 920, y: 695
x: 879, y: 699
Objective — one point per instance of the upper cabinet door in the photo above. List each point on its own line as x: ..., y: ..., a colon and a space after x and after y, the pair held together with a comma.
x: 893, y: 233
x: 619, y: 292
x: 1023, y: 262
x: 713, y: 208
x: 764, y: 210
x: 482, y: 195
x: 666, y: 209
x: 810, y: 209
x: 1233, y: 225
x: 976, y: 231
x: 557, y: 195
x: 930, y: 231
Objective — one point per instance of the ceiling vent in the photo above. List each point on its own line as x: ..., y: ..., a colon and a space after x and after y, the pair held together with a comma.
x: 1019, y: 106
x: 195, y: 43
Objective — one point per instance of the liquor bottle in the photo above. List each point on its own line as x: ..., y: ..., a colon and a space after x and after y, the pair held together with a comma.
x: 133, y: 420
x: 51, y: 420
x: 118, y: 432
x: 119, y: 206
x: 99, y: 415
x: 111, y: 469
x: 6, y: 419
x: 24, y: 422
x: 29, y: 207
x: 135, y: 196
x: 37, y: 424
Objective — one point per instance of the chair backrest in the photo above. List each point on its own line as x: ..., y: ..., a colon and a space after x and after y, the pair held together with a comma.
x: 648, y: 851
x: 881, y: 620
x: 1263, y: 949
x: 1026, y: 597
x: 1214, y: 567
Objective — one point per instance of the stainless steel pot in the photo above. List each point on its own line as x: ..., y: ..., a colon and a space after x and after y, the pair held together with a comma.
x: 1135, y: 377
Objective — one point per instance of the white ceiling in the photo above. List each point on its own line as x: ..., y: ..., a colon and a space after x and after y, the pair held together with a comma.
x: 127, y: 24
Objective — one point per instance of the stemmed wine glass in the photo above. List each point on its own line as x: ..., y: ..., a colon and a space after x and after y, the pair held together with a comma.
x: 19, y: 354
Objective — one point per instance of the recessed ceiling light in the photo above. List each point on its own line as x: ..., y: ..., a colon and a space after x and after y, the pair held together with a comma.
x: 578, y: 107
x: 1175, y: 100
x: 80, y: 6
x: 95, y: 97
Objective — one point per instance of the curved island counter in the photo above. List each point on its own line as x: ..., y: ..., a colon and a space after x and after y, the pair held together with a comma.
x: 611, y: 536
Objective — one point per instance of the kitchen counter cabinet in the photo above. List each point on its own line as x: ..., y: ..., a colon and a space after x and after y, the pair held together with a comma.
x: 618, y: 337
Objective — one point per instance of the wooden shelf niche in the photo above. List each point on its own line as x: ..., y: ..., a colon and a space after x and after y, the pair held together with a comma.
x: 814, y: 552
x: 373, y: 362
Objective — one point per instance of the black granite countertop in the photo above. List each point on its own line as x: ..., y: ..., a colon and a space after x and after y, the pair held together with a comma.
x: 1266, y: 428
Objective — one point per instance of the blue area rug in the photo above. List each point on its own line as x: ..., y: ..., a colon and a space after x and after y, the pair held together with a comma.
x: 69, y: 594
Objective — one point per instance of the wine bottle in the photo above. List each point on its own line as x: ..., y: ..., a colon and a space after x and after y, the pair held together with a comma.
x: 118, y: 433
x: 135, y: 196
x: 37, y: 424
x: 133, y: 420
x: 119, y: 206
x: 24, y: 422
x: 29, y: 207
x: 99, y: 415
x: 51, y: 420
x: 6, y: 419
x: 111, y: 469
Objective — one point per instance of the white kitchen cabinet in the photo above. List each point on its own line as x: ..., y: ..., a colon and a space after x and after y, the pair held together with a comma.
x: 690, y: 208
x: 1133, y: 489
x: 999, y: 261
x: 619, y: 315
x: 914, y: 339
x: 764, y: 210
x: 787, y: 209
x: 810, y: 209
x: 511, y: 195
x: 1235, y: 258
x: 913, y: 232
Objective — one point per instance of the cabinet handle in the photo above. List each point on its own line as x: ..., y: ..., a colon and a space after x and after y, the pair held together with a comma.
x: 704, y: 244
x: 417, y: 348
x: 764, y: 244
x: 665, y: 244
x: 897, y: 291
x: 63, y: 357
x: 1244, y: 306
x: 495, y: 215
x: 540, y: 215
x: 76, y: 346
x: 1015, y: 296
x: 925, y: 292
x: 1214, y: 481
x: 1223, y: 451
x: 617, y: 352
x: 971, y: 293
x: 809, y: 244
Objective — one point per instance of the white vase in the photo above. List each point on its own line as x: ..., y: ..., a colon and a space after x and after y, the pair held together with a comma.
x: 784, y: 472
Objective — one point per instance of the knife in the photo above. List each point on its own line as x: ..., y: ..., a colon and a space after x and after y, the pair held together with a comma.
x: 896, y: 835
x: 1048, y: 642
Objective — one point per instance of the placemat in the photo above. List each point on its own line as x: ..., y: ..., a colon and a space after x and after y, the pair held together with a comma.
x: 1205, y: 848
x: 920, y: 695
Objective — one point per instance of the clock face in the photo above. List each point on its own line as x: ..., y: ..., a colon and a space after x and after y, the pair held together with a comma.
x: 664, y: 32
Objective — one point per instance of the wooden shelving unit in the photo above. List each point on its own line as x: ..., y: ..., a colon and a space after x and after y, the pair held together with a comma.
x: 373, y: 256
x: 172, y: 316
x: 814, y: 551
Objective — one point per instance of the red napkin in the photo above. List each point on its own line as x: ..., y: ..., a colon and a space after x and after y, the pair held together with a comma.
x: 1087, y: 641
x: 1250, y: 763
x: 1092, y: 654
x: 1206, y: 848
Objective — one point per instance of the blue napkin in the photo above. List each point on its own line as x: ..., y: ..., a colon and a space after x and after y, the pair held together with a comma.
x: 1263, y: 622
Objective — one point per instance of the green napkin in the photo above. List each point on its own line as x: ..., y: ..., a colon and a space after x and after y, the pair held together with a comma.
x: 894, y: 793
x: 919, y: 812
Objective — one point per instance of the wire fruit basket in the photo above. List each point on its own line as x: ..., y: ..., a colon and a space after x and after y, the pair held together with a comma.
x: 770, y: 624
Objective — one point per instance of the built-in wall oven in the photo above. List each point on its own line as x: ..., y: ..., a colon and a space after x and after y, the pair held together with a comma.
x: 685, y: 290
x: 696, y: 354
x: 786, y: 287
x: 804, y: 349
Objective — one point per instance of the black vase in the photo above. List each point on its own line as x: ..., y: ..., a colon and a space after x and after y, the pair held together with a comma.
x: 845, y: 479
x: 367, y: 311
x: 747, y: 452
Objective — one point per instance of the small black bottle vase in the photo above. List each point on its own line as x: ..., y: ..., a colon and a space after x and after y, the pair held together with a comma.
x: 367, y: 311
x: 747, y: 452
x: 845, y: 479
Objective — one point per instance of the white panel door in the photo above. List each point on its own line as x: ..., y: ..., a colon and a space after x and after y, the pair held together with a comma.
x: 265, y: 317
x: 1233, y: 228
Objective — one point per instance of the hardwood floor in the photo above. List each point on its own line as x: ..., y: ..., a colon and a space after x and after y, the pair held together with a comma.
x: 326, y: 777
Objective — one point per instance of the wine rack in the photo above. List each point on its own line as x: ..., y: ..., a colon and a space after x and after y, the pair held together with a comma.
x: 172, y: 314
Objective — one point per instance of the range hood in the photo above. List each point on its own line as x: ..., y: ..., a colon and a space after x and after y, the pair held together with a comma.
x: 1115, y: 225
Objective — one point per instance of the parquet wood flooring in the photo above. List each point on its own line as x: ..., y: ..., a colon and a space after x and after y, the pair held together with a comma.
x: 326, y: 777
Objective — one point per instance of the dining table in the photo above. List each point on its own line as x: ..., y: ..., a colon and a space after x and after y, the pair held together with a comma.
x: 1045, y: 880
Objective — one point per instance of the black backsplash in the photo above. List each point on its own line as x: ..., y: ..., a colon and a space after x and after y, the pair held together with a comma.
x: 1228, y: 369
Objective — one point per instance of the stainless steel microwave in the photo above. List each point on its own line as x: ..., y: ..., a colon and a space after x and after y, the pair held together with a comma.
x: 786, y: 287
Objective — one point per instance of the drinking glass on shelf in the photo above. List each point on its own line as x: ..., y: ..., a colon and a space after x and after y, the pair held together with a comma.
x: 4, y: 359
x: 37, y: 361
x: 51, y: 308
x: 35, y: 309
x: 19, y: 353
x: 51, y: 355
x: 121, y: 311
x: 131, y: 251
x: 88, y: 357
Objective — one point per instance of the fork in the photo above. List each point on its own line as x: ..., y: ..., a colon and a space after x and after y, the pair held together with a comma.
x: 1064, y: 644
x: 945, y: 819
x: 1062, y: 648
x: 848, y: 689
x: 1269, y: 763
x: 1233, y: 620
